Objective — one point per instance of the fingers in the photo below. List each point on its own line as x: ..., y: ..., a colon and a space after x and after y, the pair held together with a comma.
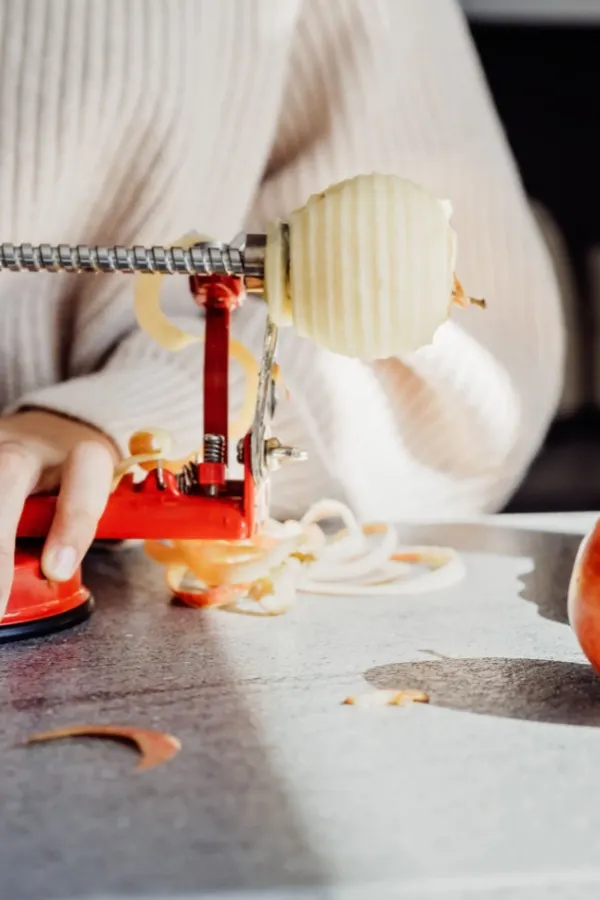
x: 85, y: 488
x: 19, y: 472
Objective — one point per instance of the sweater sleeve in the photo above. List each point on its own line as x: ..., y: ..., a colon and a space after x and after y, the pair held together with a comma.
x: 395, y: 86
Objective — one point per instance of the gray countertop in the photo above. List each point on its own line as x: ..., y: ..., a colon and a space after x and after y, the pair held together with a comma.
x: 279, y: 790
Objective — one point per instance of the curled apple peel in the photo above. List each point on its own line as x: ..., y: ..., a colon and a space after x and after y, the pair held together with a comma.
x: 155, y: 747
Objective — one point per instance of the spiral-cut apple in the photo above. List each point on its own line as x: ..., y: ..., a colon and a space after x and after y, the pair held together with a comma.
x: 584, y: 596
x: 371, y: 268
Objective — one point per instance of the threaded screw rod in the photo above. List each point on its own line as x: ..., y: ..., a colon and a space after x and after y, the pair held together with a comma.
x: 202, y: 259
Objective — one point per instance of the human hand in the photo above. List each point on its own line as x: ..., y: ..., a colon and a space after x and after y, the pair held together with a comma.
x: 42, y: 451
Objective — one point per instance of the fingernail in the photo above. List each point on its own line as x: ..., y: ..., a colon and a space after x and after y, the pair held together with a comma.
x: 60, y: 563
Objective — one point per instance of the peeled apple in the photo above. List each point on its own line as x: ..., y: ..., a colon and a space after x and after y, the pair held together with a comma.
x: 371, y: 267
x: 583, y: 601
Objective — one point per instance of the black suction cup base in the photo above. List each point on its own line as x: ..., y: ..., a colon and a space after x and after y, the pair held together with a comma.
x: 23, y: 631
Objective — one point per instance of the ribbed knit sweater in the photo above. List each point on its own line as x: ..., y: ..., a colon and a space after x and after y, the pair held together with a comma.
x: 136, y: 121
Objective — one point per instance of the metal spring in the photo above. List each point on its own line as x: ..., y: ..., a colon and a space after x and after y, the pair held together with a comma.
x: 214, y: 452
x: 204, y: 259
x: 187, y: 480
x: 214, y: 448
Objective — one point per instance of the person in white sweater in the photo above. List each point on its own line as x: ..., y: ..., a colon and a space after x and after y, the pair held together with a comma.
x: 135, y: 122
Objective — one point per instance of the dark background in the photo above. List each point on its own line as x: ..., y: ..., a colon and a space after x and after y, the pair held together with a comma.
x: 546, y: 83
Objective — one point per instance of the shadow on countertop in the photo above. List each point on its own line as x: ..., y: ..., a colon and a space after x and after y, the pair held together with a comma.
x: 535, y: 690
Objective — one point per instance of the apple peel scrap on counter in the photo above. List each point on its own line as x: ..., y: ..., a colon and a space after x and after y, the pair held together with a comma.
x: 155, y: 747
x: 376, y: 699
x: 262, y: 576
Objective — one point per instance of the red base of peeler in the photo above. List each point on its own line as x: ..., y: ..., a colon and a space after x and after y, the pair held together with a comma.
x: 38, y: 607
